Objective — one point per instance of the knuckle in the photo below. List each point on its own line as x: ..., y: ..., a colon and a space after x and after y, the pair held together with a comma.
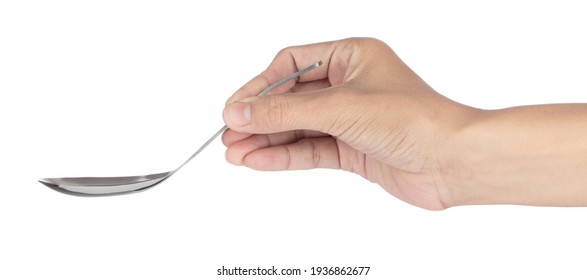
x: 285, y: 52
x: 313, y: 155
x: 369, y: 42
x: 276, y: 110
x: 374, y: 42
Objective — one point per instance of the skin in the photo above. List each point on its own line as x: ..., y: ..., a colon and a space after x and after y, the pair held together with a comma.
x: 366, y: 112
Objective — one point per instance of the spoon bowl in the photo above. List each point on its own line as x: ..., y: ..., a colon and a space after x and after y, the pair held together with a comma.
x: 104, y: 186
x: 107, y: 186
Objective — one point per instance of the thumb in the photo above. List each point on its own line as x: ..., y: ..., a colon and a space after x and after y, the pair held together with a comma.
x: 313, y: 110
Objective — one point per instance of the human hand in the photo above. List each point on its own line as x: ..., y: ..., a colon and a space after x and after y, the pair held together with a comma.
x: 363, y: 111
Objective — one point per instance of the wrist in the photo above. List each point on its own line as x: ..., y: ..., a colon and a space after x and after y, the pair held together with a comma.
x: 457, y: 154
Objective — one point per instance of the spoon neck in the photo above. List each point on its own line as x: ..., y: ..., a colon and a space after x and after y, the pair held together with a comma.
x: 218, y: 133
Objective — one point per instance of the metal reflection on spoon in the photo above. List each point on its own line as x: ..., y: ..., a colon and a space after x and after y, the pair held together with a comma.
x: 106, y: 186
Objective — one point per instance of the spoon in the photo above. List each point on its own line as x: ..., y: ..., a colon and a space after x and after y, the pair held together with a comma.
x: 106, y: 186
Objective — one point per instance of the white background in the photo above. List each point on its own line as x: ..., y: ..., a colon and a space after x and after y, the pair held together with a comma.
x: 99, y: 88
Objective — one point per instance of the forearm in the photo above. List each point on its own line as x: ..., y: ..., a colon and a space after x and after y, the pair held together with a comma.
x: 533, y: 155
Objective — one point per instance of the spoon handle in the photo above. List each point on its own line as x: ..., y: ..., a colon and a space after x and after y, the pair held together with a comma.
x: 264, y: 92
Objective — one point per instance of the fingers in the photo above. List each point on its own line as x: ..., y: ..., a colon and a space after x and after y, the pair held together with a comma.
x: 310, y: 86
x: 328, y: 111
x: 241, y: 144
x: 292, y: 59
x: 307, y: 153
x: 229, y: 137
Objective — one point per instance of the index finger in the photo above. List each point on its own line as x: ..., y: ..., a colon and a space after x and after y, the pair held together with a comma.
x: 288, y: 61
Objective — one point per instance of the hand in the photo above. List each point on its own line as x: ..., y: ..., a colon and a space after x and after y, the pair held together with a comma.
x: 363, y: 111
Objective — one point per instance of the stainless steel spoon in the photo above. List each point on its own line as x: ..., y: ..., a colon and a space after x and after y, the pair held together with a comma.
x: 106, y: 186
